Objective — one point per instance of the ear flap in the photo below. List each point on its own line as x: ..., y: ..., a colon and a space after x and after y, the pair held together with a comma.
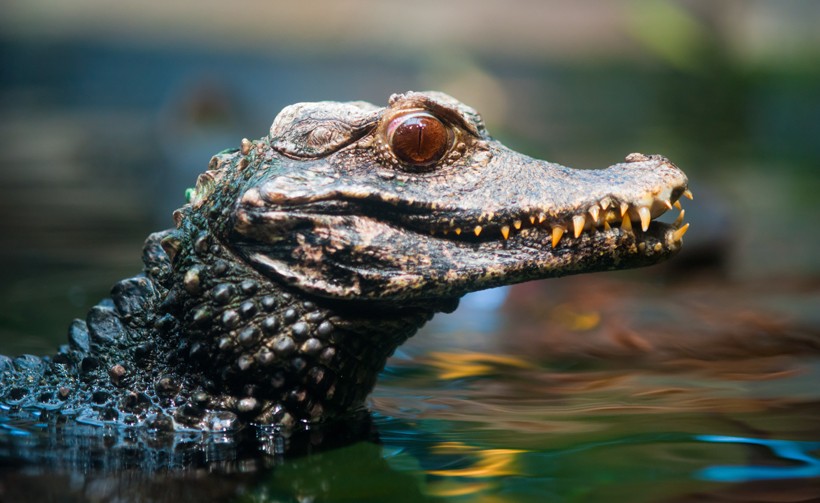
x: 312, y: 130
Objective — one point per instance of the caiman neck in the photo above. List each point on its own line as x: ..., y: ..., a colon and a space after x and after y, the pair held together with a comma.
x: 270, y: 353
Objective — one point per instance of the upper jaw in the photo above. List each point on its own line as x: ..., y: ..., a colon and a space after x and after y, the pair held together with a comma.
x: 547, y: 198
x: 557, y: 200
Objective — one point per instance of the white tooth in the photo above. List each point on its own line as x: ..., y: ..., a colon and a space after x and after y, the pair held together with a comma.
x: 679, y: 220
x: 678, y: 235
x: 646, y: 217
x: 594, y: 212
x: 667, y: 204
x: 624, y: 207
x: 605, y: 202
x: 688, y: 193
x: 541, y: 218
x: 578, y: 222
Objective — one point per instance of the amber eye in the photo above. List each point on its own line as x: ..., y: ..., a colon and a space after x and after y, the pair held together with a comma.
x: 419, y: 138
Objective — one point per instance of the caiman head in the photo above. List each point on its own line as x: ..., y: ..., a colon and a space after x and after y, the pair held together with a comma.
x: 307, y: 256
x: 415, y: 201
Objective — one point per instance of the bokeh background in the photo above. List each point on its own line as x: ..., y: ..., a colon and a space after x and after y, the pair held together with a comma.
x: 661, y: 384
x: 110, y: 109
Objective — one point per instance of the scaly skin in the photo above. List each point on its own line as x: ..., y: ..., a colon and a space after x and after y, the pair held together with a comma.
x: 303, y: 259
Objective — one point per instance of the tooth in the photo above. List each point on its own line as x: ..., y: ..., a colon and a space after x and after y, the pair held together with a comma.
x: 532, y: 219
x: 458, y: 231
x: 477, y: 230
x: 606, y: 226
x: 541, y: 218
x: 624, y: 207
x: 505, y: 231
x: 517, y: 224
x: 679, y: 220
x: 677, y: 205
x: 605, y: 203
x: 578, y: 222
x: 688, y: 194
x: 667, y: 204
x: 626, y: 223
x: 643, y: 212
x: 557, y: 232
x: 594, y: 212
x: 678, y: 234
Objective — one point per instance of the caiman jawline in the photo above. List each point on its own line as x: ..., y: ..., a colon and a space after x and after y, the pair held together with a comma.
x: 441, y: 220
x: 600, y: 216
x: 595, y: 217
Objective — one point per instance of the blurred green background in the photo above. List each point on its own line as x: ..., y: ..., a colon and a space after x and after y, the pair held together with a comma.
x: 110, y: 109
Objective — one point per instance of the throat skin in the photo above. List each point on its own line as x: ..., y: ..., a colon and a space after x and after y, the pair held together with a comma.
x: 271, y: 353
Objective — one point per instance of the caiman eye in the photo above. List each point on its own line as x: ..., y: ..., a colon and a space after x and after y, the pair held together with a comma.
x: 419, y: 138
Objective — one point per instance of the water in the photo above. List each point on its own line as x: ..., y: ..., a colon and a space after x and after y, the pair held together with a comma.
x: 460, y: 415
x: 696, y: 381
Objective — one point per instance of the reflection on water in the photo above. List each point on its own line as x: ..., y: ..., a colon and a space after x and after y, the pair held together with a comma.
x: 538, y: 413
x: 464, y: 425
x: 786, y: 450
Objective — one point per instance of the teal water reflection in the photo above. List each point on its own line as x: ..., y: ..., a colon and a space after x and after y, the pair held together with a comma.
x: 807, y: 465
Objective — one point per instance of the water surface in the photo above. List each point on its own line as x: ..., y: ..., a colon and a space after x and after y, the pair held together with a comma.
x: 618, y: 396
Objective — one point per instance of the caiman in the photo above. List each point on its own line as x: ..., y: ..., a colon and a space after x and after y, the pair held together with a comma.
x: 302, y: 260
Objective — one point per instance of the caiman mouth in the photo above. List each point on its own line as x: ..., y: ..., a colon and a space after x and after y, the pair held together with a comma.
x: 599, y: 216
x: 637, y: 213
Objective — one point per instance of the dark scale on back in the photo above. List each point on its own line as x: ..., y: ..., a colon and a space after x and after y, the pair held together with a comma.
x: 303, y: 259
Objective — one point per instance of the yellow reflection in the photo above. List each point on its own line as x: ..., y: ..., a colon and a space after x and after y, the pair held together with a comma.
x: 577, y: 321
x: 451, y: 447
x: 458, y: 365
x: 489, y: 462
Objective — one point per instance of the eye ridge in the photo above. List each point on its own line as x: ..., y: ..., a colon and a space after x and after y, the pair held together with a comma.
x: 419, y: 138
